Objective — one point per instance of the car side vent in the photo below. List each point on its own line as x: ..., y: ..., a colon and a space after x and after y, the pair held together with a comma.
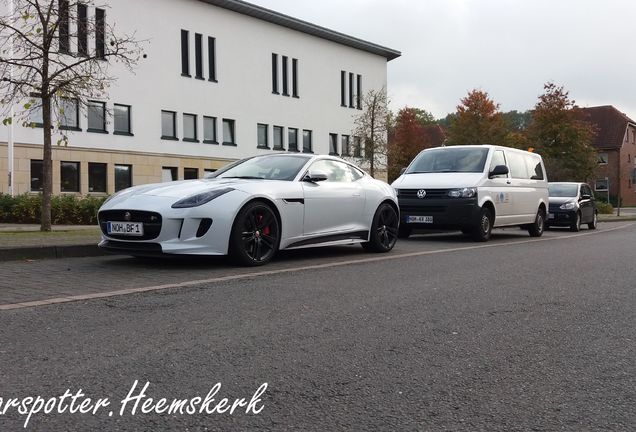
x: 204, y: 226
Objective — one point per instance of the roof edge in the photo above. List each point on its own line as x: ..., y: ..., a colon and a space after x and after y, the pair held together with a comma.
x: 278, y: 18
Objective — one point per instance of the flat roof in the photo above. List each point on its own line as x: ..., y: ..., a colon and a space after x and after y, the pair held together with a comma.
x: 271, y: 16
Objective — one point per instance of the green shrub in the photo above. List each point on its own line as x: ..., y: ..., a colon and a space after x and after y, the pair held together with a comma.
x: 65, y: 209
x: 604, y: 208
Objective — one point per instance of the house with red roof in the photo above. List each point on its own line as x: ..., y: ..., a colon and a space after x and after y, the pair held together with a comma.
x: 615, y: 144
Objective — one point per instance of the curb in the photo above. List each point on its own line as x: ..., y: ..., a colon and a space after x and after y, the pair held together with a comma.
x: 48, y: 252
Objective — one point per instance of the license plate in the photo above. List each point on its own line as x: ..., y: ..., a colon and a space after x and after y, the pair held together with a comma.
x: 551, y: 216
x: 419, y: 219
x: 125, y: 228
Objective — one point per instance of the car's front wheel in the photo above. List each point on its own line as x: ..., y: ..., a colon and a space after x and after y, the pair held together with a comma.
x: 592, y: 225
x: 384, y: 229
x: 255, y: 235
x: 483, y: 230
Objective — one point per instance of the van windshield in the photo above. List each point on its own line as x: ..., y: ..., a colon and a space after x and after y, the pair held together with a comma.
x: 449, y: 159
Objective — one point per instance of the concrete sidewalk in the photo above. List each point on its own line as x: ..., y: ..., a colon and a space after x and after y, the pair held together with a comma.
x: 26, y: 241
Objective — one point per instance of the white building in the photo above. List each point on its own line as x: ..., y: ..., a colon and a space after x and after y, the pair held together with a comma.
x: 222, y: 80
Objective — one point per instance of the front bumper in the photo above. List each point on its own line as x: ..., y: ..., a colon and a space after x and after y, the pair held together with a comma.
x: 557, y: 217
x: 451, y: 213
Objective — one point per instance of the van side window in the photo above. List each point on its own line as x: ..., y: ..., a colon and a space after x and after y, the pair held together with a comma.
x: 517, y: 165
x: 498, y: 158
x: 534, y: 168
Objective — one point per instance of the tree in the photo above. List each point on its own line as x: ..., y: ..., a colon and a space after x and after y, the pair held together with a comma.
x: 371, y: 127
x: 41, y: 74
x: 562, y: 135
x: 477, y: 121
x: 410, y: 135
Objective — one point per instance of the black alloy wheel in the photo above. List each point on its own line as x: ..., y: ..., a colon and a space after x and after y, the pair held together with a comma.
x: 384, y: 229
x: 255, y: 235
x: 536, y: 229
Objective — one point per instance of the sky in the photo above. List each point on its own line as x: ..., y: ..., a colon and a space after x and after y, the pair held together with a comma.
x: 507, y: 48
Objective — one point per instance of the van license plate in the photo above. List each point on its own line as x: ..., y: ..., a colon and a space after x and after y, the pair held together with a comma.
x: 419, y: 219
x: 125, y: 228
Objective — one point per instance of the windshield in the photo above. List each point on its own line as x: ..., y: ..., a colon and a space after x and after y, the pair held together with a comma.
x: 449, y: 159
x: 562, y: 190
x: 278, y: 167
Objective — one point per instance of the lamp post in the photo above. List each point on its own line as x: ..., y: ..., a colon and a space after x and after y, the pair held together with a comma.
x: 11, y: 113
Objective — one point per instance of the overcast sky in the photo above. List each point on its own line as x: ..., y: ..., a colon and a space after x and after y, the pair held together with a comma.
x: 508, y: 48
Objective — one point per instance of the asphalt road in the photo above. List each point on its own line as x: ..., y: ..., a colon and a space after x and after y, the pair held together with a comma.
x: 441, y: 334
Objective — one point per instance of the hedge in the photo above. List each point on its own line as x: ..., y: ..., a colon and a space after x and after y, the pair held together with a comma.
x: 65, y: 209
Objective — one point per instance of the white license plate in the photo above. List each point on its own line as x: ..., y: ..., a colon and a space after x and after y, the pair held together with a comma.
x: 419, y: 219
x: 551, y: 216
x: 125, y: 228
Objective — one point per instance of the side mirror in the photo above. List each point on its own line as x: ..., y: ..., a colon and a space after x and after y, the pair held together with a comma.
x: 585, y: 197
x: 403, y: 170
x: 315, y: 176
x: 498, y: 170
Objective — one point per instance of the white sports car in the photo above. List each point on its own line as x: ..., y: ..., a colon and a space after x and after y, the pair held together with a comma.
x: 252, y: 208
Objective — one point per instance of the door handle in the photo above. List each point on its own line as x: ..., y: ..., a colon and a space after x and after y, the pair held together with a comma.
x: 356, y: 194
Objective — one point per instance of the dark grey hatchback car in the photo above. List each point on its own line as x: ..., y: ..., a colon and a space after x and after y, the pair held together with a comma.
x: 571, y: 205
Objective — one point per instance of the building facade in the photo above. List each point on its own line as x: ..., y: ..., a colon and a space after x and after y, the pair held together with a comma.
x: 615, y: 143
x: 221, y: 80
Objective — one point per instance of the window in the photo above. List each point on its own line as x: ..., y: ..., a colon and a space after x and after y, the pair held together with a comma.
x: 35, y: 113
x: 212, y: 58
x: 100, y: 33
x: 185, y: 55
x: 517, y: 166
x: 96, y: 116
x: 169, y: 174
x: 357, y: 146
x: 359, y: 92
x: 337, y: 171
x: 295, y: 78
x: 343, y: 88
x: 262, y: 136
x: 190, y: 128
x: 275, y: 73
x: 97, y: 177
x: 292, y: 139
x: 228, y: 132
x: 498, y: 158
x: 601, y: 184
x: 70, y: 176
x: 209, y: 130
x: 198, y: 56
x: 278, y: 138
x: 307, y: 145
x: 534, y: 168
x: 285, y: 84
x: 190, y: 173
x: 82, y: 30
x: 602, y: 158
x: 168, y: 125
x: 69, y: 114
x: 333, y: 144
x: 345, y: 145
x: 123, y: 177
x: 36, y: 175
x: 63, y: 41
x: 122, y: 119
x: 351, y: 90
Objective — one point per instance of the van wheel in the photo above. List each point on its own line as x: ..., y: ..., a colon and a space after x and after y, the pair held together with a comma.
x: 594, y: 223
x: 482, y: 231
x: 536, y: 229
x: 576, y: 224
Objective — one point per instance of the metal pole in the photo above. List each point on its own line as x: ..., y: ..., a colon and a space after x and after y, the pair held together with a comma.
x: 11, y: 113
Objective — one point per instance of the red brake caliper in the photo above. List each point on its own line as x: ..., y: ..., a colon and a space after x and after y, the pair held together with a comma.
x: 265, y: 229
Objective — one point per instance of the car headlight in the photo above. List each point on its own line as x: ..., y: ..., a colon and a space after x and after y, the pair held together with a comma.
x: 568, y: 206
x: 201, y: 198
x: 463, y: 193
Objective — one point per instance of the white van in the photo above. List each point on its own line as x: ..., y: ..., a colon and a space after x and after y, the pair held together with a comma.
x: 473, y: 188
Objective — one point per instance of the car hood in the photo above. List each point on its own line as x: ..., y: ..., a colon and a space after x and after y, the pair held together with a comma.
x: 437, y: 180
x: 185, y: 188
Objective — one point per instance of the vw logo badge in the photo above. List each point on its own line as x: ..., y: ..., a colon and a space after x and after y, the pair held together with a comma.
x: 127, y: 216
x: 421, y: 193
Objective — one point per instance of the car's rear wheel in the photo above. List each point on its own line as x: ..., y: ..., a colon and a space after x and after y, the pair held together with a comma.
x: 384, y: 229
x: 255, y: 235
x: 483, y: 230
x: 536, y: 229
x: 576, y: 223
x: 594, y: 223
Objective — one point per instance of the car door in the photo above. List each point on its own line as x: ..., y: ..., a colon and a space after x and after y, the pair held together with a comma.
x: 585, y: 204
x: 336, y: 204
x: 498, y: 187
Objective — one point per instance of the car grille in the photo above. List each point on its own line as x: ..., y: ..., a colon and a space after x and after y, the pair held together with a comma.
x: 553, y: 207
x: 418, y: 210
x: 151, y: 221
x: 430, y: 193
